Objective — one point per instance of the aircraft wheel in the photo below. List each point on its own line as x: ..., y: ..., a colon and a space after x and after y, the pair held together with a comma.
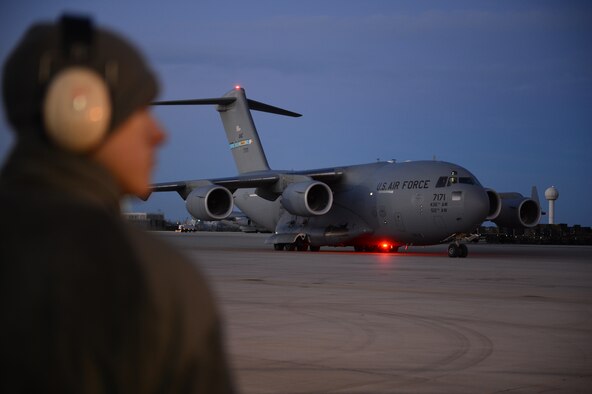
x: 358, y: 248
x: 463, y: 251
x: 366, y: 248
x: 291, y: 247
x: 278, y: 246
x: 302, y: 247
x: 453, y: 250
x: 301, y: 244
x: 315, y: 248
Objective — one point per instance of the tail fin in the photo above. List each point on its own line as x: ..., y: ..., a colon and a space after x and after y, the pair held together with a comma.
x: 241, y: 133
x: 243, y: 139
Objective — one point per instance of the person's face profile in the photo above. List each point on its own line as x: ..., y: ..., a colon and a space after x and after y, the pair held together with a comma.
x: 129, y: 153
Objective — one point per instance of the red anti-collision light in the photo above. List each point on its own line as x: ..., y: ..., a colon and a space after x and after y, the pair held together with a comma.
x: 237, y: 87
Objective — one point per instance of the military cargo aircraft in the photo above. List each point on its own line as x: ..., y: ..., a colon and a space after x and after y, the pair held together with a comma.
x: 379, y: 206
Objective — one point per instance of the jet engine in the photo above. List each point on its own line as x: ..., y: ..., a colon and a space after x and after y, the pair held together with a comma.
x: 210, y: 202
x: 514, y: 210
x: 495, y: 204
x: 310, y: 198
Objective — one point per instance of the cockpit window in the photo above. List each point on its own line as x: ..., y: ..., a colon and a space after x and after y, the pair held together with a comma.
x: 470, y: 181
x: 442, y: 181
x: 445, y: 181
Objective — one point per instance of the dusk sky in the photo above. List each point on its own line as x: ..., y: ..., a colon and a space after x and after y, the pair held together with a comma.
x: 502, y: 88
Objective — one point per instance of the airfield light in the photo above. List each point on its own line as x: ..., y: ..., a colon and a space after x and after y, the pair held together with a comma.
x: 385, y: 246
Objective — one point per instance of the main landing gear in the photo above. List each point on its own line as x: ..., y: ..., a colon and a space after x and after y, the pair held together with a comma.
x: 301, y: 244
x: 457, y: 250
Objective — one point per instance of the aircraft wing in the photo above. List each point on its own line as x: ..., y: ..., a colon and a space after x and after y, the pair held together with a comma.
x: 327, y: 175
x: 258, y: 180
x: 241, y: 182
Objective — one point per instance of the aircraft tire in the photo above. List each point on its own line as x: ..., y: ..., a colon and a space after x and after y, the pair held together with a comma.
x: 315, y: 248
x: 279, y: 246
x: 463, y: 250
x: 301, y: 244
x: 453, y: 250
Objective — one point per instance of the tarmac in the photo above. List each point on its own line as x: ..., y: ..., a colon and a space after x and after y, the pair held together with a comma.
x: 506, y: 319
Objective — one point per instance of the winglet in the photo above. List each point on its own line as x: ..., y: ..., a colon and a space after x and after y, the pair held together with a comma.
x: 534, y: 194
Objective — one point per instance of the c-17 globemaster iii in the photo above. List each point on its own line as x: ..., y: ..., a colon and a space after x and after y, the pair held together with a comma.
x: 376, y: 206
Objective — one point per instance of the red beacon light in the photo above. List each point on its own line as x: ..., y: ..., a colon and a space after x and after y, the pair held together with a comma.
x: 237, y: 87
x: 387, y: 246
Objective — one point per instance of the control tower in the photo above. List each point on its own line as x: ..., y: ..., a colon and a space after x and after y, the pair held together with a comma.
x: 551, y: 194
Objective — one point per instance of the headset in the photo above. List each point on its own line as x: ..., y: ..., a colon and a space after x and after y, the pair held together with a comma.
x: 76, y: 106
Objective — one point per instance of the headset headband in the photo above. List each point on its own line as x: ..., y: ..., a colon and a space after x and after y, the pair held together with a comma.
x: 77, y: 38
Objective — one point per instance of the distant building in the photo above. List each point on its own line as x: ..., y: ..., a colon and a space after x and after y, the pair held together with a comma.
x: 146, y: 221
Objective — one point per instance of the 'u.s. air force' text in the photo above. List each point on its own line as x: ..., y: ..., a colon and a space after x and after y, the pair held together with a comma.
x: 403, y: 185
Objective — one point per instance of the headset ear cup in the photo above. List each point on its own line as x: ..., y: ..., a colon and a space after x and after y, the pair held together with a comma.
x: 77, y: 109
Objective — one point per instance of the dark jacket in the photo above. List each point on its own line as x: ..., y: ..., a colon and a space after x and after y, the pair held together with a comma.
x: 88, y: 303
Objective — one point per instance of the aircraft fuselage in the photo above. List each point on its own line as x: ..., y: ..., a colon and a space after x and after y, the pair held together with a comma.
x: 419, y: 202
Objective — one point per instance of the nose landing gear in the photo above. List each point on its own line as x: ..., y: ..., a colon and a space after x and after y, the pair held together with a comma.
x: 458, y: 249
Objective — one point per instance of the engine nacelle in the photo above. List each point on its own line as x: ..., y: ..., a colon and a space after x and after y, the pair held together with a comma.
x: 517, y: 211
x: 310, y: 198
x: 495, y: 204
x: 210, y: 202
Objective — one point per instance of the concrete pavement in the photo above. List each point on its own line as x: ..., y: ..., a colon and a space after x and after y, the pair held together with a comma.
x: 509, y: 318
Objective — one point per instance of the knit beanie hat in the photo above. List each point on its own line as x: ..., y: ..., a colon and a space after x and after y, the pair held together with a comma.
x: 41, y: 54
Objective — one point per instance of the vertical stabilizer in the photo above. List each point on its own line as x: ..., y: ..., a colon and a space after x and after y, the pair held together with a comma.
x: 243, y: 139
x: 241, y: 133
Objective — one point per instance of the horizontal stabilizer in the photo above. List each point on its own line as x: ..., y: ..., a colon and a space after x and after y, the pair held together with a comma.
x: 206, y: 101
x: 257, y: 106
x: 254, y: 105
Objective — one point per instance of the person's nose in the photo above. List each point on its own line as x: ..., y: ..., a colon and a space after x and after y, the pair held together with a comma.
x: 158, y: 134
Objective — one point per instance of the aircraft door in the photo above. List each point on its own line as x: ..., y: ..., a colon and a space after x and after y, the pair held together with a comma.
x: 387, y: 214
